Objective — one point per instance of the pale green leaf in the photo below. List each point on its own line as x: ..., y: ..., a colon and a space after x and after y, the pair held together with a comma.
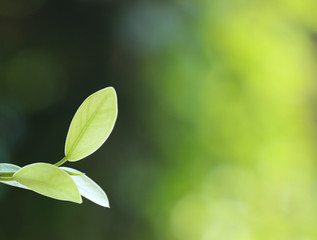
x: 8, y: 167
x: 88, y: 188
x: 48, y: 180
x: 92, y: 124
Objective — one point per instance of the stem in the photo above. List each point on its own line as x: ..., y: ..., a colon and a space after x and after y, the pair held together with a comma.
x: 6, y: 174
x: 6, y: 178
x: 61, y: 162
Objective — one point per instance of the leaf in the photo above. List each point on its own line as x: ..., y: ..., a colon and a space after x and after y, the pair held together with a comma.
x: 7, y: 167
x: 92, y: 124
x: 88, y: 188
x: 48, y: 180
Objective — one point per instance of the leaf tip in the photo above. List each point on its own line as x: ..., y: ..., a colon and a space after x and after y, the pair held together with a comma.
x: 79, y: 200
x: 104, y: 205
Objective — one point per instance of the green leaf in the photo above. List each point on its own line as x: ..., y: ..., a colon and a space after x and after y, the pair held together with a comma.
x: 92, y: 124
x: 48, y: 180
x: 88, y: 188
x: 7, y: 167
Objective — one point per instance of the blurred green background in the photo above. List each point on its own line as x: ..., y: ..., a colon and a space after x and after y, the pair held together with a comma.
x: 216, y: 134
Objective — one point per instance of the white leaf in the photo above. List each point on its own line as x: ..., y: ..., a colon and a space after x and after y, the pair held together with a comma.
x: 88, y: 188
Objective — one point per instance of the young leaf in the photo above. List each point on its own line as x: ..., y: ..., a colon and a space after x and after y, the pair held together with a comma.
x: 88, y: 188
x: 92, y: 124
x: 7, y: 167
x: 48, y: 180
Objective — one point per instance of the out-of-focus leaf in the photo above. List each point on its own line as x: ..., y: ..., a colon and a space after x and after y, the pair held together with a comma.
x: 8, y: 167
x: 88, y: 188
x: 48, y: 180
x: 92, y: 124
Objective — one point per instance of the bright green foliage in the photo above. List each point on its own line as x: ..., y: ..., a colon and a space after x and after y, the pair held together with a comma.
x: 90, y: 127
x: 92, y: 124
x: 88, y: 188
x: 48, y: 180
